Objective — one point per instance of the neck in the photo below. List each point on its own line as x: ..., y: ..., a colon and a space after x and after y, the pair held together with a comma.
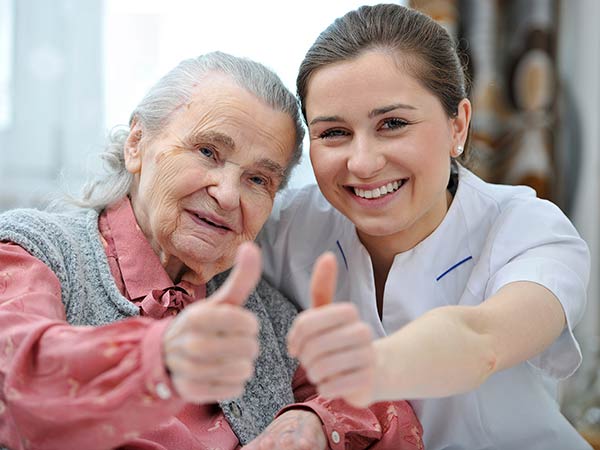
x: 383, y: 249
x: 173, y: 266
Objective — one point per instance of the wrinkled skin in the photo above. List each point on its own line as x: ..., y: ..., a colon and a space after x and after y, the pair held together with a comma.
x: 202, y: 187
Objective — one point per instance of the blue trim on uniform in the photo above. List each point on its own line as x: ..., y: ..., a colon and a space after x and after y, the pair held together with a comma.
x: 453, y: 267
x: 342, y: 252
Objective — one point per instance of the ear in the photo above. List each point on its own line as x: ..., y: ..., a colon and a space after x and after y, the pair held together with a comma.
x: 460, y: 124
x: 132, y: 148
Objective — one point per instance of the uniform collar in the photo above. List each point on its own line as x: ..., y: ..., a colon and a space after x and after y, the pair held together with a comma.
x: 438, y: 254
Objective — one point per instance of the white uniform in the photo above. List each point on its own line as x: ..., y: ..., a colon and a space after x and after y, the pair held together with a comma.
x: 492, y: 235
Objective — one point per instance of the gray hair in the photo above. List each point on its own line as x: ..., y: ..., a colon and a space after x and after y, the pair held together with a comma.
x: 171, y: 91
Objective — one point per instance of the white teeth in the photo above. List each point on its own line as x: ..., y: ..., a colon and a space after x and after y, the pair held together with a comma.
x: 380, y: 191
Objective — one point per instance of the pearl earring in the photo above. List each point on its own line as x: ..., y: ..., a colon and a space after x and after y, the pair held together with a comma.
x: 459, y: 150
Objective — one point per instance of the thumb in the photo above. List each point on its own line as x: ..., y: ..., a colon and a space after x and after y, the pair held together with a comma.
x: 243, y: 278
x: 323, y: 280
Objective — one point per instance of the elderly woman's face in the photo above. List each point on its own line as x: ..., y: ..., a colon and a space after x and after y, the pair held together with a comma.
x: 208, y: 181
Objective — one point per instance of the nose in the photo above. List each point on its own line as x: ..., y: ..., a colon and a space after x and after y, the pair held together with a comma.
x: 365, y: 159
x: 225, y: 189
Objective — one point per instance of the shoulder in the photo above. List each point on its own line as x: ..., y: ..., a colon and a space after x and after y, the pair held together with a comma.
x: 495, y: 208
x: 45, y: 234
x: 39, y: 221
x: 478, y: 193
x: 520, y: 236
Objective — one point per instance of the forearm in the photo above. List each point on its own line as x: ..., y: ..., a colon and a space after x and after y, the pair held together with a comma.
x: 94, y: 386
x: 436, y: 355
x: 454, y: 349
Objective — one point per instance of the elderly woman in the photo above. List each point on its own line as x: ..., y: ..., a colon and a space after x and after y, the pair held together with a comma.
x: 103, y: 343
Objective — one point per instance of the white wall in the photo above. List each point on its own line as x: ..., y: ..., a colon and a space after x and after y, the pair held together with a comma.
x: 57, y: 93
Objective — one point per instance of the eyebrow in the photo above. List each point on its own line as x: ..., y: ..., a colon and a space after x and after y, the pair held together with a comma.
x: 271, y: 166
x: 325, y: 119
x: 213, y: 136
x: 227, y: 141
x: 372, y: 113
x: 388, y: 108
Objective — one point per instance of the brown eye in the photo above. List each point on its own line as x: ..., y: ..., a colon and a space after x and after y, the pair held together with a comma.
x: 392, y: 124
x: 336, y: 132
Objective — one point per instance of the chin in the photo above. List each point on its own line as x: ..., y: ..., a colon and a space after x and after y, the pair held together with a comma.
x: 380, y: 229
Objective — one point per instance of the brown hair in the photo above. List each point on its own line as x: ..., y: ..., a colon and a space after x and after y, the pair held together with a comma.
x: 429, y: 53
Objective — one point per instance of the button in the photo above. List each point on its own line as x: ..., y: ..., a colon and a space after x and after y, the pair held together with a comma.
x: 335, y: 437
x: 235, y: 410
x: 163, y: 391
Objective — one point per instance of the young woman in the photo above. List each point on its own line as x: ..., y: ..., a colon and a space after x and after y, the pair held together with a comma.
x: 472, y: 289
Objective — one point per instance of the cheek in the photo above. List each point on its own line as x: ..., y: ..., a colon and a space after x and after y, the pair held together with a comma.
x: 256, y: 214
x: 324, y: 163
x: 172, y: 182
x: 176, y: 176
x: 430, y: 154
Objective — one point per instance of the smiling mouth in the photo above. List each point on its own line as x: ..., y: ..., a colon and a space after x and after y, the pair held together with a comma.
x: 379, y: 192
x: 209, y: 222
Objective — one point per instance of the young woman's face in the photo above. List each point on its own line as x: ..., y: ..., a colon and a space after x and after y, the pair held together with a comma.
x: 380, y: 146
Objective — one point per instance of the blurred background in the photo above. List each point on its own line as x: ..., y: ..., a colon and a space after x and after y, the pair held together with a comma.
x: 72, y: 69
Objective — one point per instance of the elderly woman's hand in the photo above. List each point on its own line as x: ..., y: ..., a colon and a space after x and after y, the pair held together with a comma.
x: 331, y: 342
x: 211, y: 346
x: 295, y: 429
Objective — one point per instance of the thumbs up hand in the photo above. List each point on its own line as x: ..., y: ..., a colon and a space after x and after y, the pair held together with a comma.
x: 211, y: 346
x: 331, y: 342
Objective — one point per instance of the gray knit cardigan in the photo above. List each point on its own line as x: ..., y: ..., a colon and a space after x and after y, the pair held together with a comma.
x: 69, y: 243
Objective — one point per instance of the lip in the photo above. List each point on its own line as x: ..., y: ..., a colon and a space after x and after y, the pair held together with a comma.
x: 371, y: 186
x: 210, y: 221
x: 375, y: 202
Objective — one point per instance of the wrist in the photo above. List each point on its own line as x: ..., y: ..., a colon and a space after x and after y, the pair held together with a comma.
x: 321, y: 418
x: 382, y: 369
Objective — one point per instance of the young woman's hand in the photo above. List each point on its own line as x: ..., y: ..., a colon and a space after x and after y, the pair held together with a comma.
x: 295, y: 429
x: 210, y: 348
x: 331, y: 342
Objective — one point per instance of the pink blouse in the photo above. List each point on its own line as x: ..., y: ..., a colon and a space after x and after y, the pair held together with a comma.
x: 73, y: 387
